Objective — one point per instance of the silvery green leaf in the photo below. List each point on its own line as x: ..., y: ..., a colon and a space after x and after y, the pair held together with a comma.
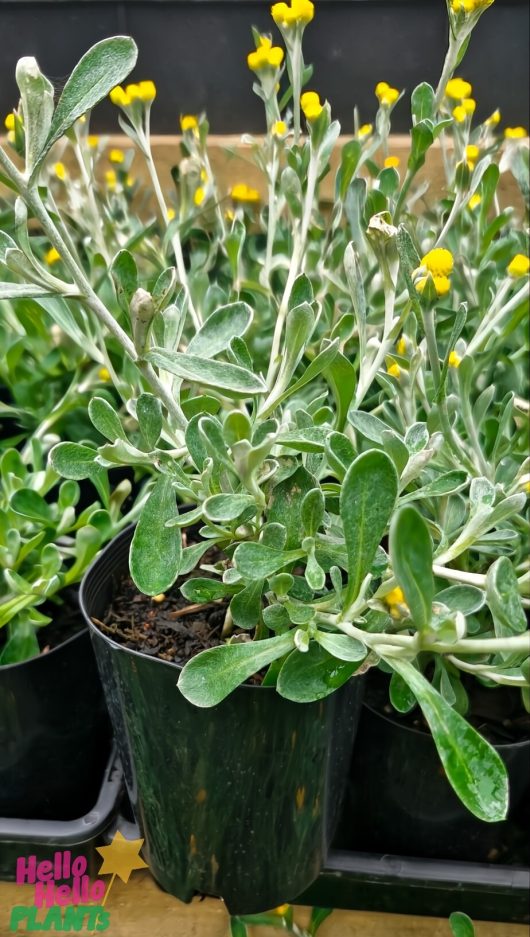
x: 36, y: 94
x: 237, y: 381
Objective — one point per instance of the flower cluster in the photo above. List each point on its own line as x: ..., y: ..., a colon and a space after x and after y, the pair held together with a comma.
x: 265, y: 56
x: 386, y: 95
x: 299, y: 13
x: 311, y: 106
x: 144, y: 91
x: 436, y: 267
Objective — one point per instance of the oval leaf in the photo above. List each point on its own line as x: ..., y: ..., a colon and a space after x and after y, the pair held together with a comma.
x: 226, y: 377
x: 411, y: 554
x: 156, y: 550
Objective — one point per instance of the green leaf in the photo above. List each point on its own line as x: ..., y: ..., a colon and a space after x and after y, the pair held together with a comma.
x: 465, y: 599
x: 285, y: 504
x: 22, y: 290
x: 156, y: 550
x: 504, y: 601
x: 371, y: 427
x: 226, y: 377
x: 257, y: 561
x: 354, y: 277
x: 312, y: 512
x: 72, y: 460
x: 401, y: 696
x: 203, y: 590
x: 313, y: 674
x: 31, y: 504
x: 105, y: 65
x: 411, y: 554
x: 299, y: 326
x: 308, y: 439
x: 125, y: 275
x: 237, y: 928
x: 422, y: 102
x: 341, y: 646
x: 212, y: 675
x: 473, y: 767
x: 319, y: 915
x: 150, y: 421
x: 323, y: 360
x: 245, y: 607
x: 302, y: 292
x: 341, y: 378
x: 446, y: 484
x: 227, y: 507
x: 36, y: 94
x: 106, y: 420
x: 461, y: 925
x: 367, y: 499
x: 220, y: 328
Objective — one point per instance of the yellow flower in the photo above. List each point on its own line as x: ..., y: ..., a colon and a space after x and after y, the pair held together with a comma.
x: 385, y: 94
x: 279, y: 128
x: 469, y: 105
x: 147, y: 91
x: 104, y: 374
x: 518, y: 266
x: 401, y: 346
x: 474, y: 201
x: 116, y: 156
x: 119, y: 97
x: 472, y: 153
x: 52, y: 256
x: 392, y: 162
x: 365, y: 131
x: 170, y: 214
x: 244, y: 193
x: 92, y: 141
x: 129, y: 181
x: 281, y: 909
x: 110, y: 178
x: 133, y: 92
x: 515, y: 133
x: 198, y: 197
x: 300, y: 13
x: 265, y: 56
x: 470, y: 6
x: 454, y: 359
x: 60, y: 171
x: 458, y: 88
x: 11, y: 136
x: 311, y: 106
x: 188, y: 122
x: 493, y: 119
x: 395, y: 597
x: 393, y: 369
x: 459, y: 114
x: 9, y: 122
x: 442, y: 284
x: 439, y: 261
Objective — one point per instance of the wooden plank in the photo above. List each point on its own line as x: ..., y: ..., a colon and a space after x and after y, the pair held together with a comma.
x: 142, y: 909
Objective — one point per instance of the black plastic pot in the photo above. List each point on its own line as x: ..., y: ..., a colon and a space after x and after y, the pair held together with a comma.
x: 239, y: 801
x: 42, y: 838
x: 400, y: 801
x: 54, y: 733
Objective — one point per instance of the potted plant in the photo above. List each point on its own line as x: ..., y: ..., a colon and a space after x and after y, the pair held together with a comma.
x: 296, y: 397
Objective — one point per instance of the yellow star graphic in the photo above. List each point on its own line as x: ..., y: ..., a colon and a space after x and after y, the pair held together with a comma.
x: 121, y: 858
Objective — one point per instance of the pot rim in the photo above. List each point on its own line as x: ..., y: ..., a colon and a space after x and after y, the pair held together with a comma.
x: 522, y: 743
x: 43, y: 657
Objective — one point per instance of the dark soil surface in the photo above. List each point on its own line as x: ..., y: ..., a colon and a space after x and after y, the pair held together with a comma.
x: 167, y: 627
x: 498, y: 713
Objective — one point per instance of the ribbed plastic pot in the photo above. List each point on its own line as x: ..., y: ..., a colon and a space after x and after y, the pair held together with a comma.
x: 238, y: 801
x: 54, y: 733
x: 400, y: 801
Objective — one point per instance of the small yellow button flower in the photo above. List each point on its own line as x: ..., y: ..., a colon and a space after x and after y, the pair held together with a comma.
x: 9, y: 122
x: 438, y: 261
x: 460, y: 114
x: 129, y: 181
x: 300, y: 13
x: 518, y: 266
x: 385, y: 94
x: 474, y: 201
x: 147, y: 90
x: 401, y: 346
x: 170, y: 214
x: 265, y: 56
x: 104, y: 374
x: 515, y: 133
x: 189, y: 122
x: 281, y: 909
x: 119, y: 97
x: 472, y: 153
x: 52, y: 256
x: 311, y: 106
x: 116, y: 156
x: 442, y: 285
x: 493, y: 119
x: 279, y: 128
x: 110, y: 179
x: 469, y: 105
x: 198, y: 196
x: 92, y: 140
x: 365, y: 131
x: 454, y: 359
x: 393, y: 369
x: 244, y: 193
x: 392, y: 162
x: 458, y: 88
x: 395, y: 597
x: 60, y: 171
x: 133, y: 92
x: 470, y: 6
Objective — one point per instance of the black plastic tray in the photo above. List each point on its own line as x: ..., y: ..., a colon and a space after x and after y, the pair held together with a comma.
x: 434, y: 887
x: 21, y: 837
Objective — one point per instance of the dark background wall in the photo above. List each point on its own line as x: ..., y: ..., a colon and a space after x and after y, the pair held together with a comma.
x: 195, y: 51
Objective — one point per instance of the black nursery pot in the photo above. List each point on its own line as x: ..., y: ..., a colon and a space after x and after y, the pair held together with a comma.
x: 400, y: 801
x: 54, y: 733
x: 239, y: 801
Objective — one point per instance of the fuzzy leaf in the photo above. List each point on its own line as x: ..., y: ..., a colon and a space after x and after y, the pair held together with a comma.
x: 156, y: 550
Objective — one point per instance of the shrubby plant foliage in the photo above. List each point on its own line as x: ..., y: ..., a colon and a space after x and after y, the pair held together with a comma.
x: 335, y: 392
